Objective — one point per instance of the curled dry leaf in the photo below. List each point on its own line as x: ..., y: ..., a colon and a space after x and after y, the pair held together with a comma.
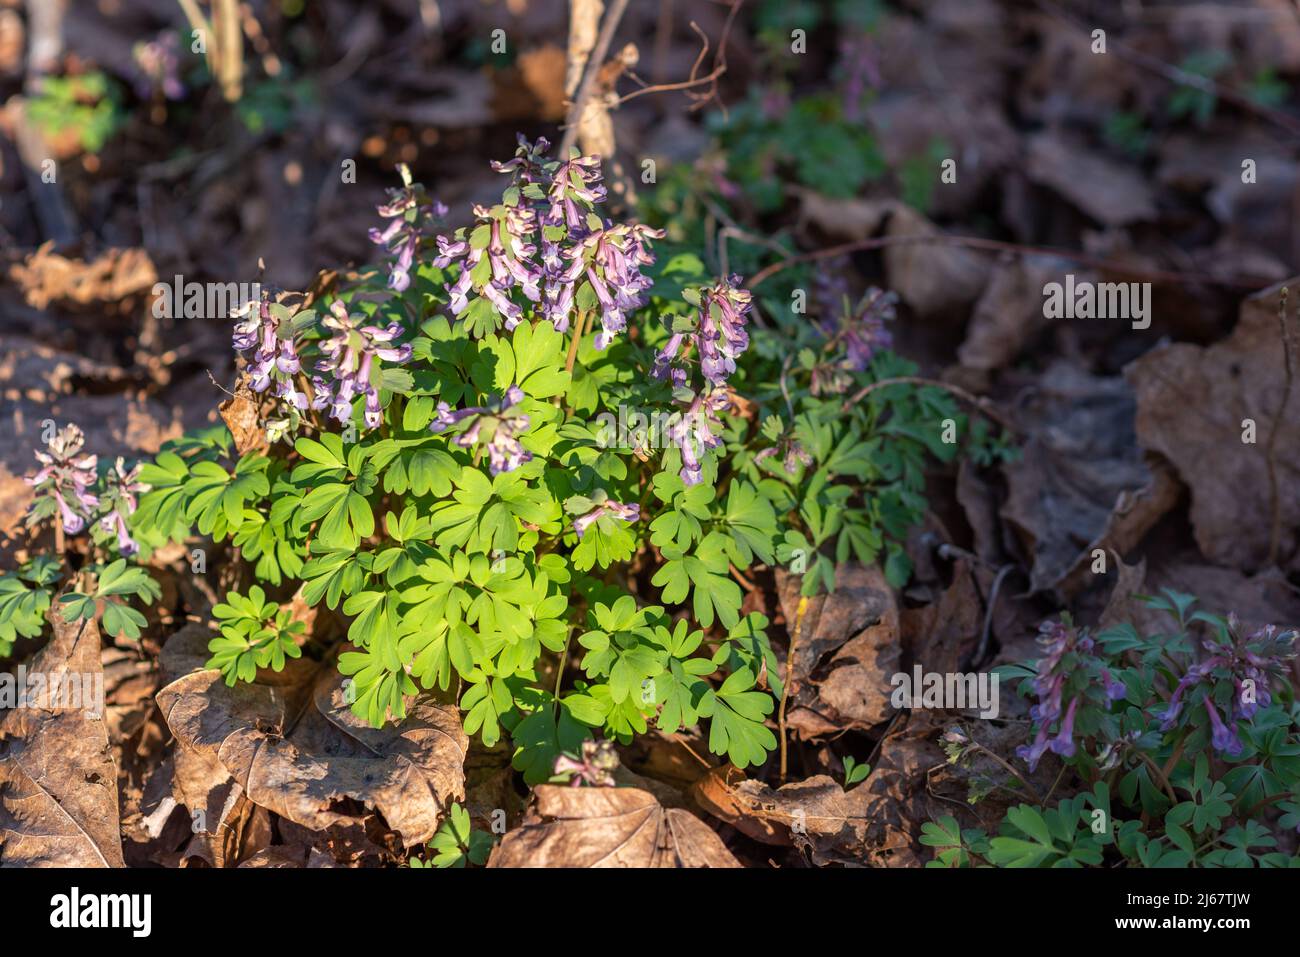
x: 46, y: 277
x: 58, y: 783
x: 240, y: 413
x: 1079, y: 466
x: 816, y: 813
x: 1211, y: 412
x: 1009, y: 314
x: 292, y: 743
x: 848, y: 649
x: 608, y: 827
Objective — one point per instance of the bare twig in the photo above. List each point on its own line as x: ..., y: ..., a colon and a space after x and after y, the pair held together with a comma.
x: 995, y: 245
x: 980, y: 403
x: 578, y: 107
x: 1182, y: 77
x: 789, y: 677
x: 694, y: 79
x: 1270, y: 450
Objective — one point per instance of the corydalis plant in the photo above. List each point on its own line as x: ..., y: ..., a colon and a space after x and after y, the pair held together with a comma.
x: 411, y: 216
x: 541, y: 241
x: 495, y: 427
x: 354, y: 354
x: 481, y: 530
x: 1175, y: 742
x: 269, y: 335
x: 63, y: 483
x: 118, y: 501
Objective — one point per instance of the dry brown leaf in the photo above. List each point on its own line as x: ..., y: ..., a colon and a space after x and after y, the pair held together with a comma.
x: 608, y: 827
x: 847, y: 652
x: 816, y: 814
x: 239, y: 412
x: 932, y: 277
x: 295, y: 748
x: 1109, y: 192
x: 1010, y: 312
x: 941, y: 633
x: 58, y: 783
x: 1192, y: 406
x: 45, y: 277
x: 1078, y: 461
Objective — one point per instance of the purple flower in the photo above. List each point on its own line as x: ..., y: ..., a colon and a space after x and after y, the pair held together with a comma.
x: 692, y: 432
x: 1223, y: 738
x: 722, y: 337
x: 121, y: 488
x: 544, y: 241
x: 1113, y: 688
x: 353, y: 357
x: 1063, y: 743
x: 1249, y: 662
x: 1031, y: 754
x: 158, y: 63
x: 496, y: 425
x: 410, y: 216
x: 611, y: 259
x: 270, y: 347
x: 626, y: 513
x: 719, y: 337
x: 792, y: 452
x: 66, y: 477
x: 505, y: 234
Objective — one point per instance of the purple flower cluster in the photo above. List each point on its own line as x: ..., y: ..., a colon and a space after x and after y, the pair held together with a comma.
x: 271, y: 350
x: 121, y: 486
x: 854, y: 332
x: 544, y: 240
x: 1249, y: 662
x: 626, y: 513
x: 158, y: 62
x: 719, y: 337
x: 1066, y: 650
x: 496, y: 424
x: 505, y: 234
x: 66, y: 476
x: 792, y: 453
x: 352, y: 358
x: 411, y: 216
x: 693, y: 431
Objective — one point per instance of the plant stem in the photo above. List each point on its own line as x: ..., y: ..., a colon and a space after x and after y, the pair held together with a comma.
x: 789, y: 677
x: 579, y: 327
x: 1160, y: 776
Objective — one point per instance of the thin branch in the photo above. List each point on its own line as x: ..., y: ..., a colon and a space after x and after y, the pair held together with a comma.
x: 1270, y: 450
x: 594, y: 61
x: 789, y: 676
x: 995, y: 245
x: 980, y: 403
x: 1182, y: 77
